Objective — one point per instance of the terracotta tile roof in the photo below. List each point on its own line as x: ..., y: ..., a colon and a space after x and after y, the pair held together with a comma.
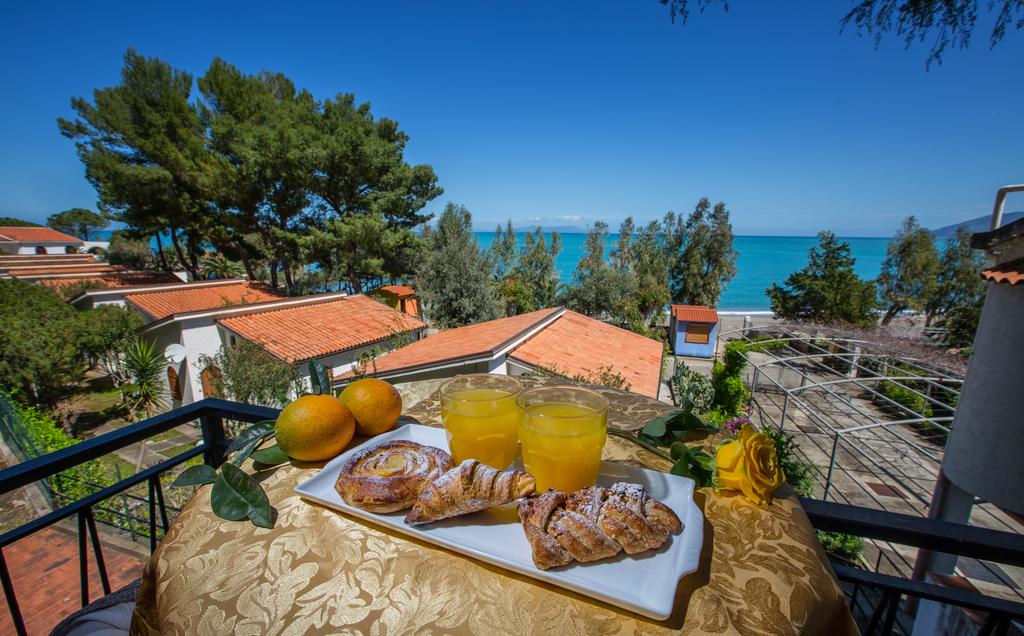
x: 112, y: 280
x: 1011, y: 273
x: 694, y: 313
x: 577, y: 345
x: 21, y: 260
x: 161, y: 304
x: 61, y: 269
x: 311, y: 331
x: 35, y: 235
x: 484, y: 338
x: 401, y: 291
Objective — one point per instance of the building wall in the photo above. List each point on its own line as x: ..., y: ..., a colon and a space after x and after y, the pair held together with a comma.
x: 695, y: 350
x: 30, y: 248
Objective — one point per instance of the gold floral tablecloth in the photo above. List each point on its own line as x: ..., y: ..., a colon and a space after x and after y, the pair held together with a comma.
x: 319, y: 572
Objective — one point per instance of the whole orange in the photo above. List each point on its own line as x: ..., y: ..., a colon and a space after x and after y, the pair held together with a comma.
x: 375, y: 404
x: 314, y: 428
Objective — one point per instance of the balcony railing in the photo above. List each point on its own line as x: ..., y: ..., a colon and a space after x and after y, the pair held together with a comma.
x: 886, y: 591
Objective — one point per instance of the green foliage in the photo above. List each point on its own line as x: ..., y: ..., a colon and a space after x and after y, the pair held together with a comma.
x: 827, y: 290
x: 693, y: 390
x: 40, y: 355
x: 846, y: 546
x: 320, y: 379
x: 727, y: 379
x: 235, y: 494
x: 941, y: 23
x: 10, y: 221
x: 130, y: 252
x: 216, y: 265
x: 910, y: 270
x: 671, y: 430
x: 144, y: 366
x: 251, y: 167
x: 535, y: 267
x: 959, y: 292
x: 363, y: 248
x: 798, y: 473
x: 962, y: 323
x: 454, y: 280
x: 251, y: 375
x: 703, y: 259
x: 78, y: 222
x: 597, y: 287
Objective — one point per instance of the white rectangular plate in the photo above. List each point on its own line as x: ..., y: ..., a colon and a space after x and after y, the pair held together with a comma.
x: 644, y: 583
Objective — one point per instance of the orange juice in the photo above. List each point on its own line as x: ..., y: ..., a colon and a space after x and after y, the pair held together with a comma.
x: 562, y: 444
x: 481, y: 424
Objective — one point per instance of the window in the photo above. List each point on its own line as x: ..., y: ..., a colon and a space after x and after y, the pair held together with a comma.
x: 698, y: 334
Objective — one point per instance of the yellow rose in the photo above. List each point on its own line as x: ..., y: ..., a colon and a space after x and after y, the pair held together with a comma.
x: 749, y: 464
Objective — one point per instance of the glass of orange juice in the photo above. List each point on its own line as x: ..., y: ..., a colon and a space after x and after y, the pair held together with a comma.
x: 563, y: 430
x: 481, y: 417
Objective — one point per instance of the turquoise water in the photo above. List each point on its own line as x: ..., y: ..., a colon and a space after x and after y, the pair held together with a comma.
x: 762, y: 261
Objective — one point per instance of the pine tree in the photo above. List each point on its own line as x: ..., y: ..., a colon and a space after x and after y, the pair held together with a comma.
x: 536, y: 268
x: 827, y: 290
x: 454, y: 280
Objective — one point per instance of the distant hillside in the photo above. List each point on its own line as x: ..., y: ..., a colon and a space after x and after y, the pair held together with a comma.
x: 979, y: 224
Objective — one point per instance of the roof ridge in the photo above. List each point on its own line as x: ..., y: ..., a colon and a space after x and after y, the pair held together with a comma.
x: 187, y: 285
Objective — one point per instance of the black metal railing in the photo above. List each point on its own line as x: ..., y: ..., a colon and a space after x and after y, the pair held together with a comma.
x: 886, y: 591
x: 930, y: 534
x: 211, y: 414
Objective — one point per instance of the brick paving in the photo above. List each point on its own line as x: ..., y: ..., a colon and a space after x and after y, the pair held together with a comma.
x: 45, y: 571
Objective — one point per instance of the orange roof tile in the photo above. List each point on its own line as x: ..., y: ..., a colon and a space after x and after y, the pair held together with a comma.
x: 35, y: 235
x: 1011, y: 273
x: 61, y: 269
x: 694, y: 313
x: 161, y: 304
x: 577, y: 345
x: 311, y: 331
x: 484, y: 338
x: 112, y: 280
x: 401, y: 291
x: 19, y: 260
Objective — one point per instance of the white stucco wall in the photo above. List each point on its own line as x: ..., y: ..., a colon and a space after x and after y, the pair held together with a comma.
x: 30, y: 248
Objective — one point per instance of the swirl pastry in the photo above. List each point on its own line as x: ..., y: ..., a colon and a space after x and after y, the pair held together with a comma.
x: 469, y: 487
x: 390, y: 476
x: 595, y: 523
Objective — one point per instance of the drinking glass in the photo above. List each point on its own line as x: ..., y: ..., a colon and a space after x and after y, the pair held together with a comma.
x: 563, y: 430
x: 481, y: 417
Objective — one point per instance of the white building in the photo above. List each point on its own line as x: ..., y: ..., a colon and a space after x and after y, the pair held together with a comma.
x: 202, y: 319
x: 36, y: 240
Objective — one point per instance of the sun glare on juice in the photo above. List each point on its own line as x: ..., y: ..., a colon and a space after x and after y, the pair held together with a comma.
x: 482, y: 424
x: 562, y: 444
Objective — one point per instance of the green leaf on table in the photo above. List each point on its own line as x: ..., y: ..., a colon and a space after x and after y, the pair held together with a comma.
x: 246, y: 450
x: 319, y: 378
x: 687, y: 420
x: 695, y: 464
x: 655, y: 427
x: 259, y: 430
x: 682, y: 467
x: 236, y: 496
x: 195, y: 476
x: 270, y: 456
x: 677, y: 450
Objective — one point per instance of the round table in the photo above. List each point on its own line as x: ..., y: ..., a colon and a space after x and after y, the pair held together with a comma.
x: 317, y: 571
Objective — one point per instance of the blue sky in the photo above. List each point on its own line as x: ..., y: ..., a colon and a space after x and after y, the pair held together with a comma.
x: 576, y: 111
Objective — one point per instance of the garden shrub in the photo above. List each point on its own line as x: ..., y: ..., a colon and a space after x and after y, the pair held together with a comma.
x: 846, y: 546
x: 693, y: 389
x: 726, y: 379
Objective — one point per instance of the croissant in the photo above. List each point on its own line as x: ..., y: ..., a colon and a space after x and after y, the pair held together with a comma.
x: 469, y: 487
x: 595, y: 523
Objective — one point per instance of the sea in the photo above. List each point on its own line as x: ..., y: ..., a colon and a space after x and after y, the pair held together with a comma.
x: 762, y: 261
